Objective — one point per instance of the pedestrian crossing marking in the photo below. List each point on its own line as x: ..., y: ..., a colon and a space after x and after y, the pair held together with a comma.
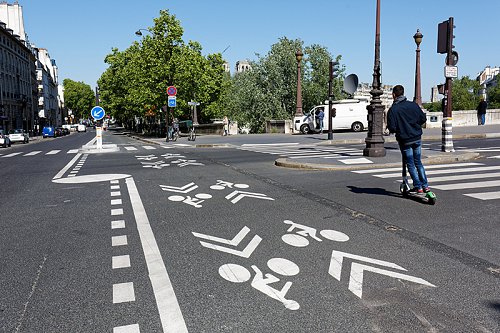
x: 356, y: 161
x: 36, y: 152
x: 53, y: 152
x: 484, y: 195
x: 11, y: 154
x: 459, y: 176
x: 130, y: 148
x: 295, y: 151
x: 148, y: 147
x: 72, y: 151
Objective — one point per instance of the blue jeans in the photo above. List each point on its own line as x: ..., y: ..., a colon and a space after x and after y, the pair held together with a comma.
x: 483, y: 119
x: 412, y: 155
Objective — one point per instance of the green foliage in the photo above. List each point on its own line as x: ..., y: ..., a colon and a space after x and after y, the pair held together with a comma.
x: 465, y: 94
x: 136, y: 80
x: 494, y: 95
x: 433, y: 107
x: 269, y: 90
x: 79, y: 98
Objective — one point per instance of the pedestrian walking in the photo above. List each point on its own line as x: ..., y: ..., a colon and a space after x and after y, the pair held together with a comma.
x: 405, y: 118
x: 481, y: 112
x: 321, y: 116
x: 225, y: 121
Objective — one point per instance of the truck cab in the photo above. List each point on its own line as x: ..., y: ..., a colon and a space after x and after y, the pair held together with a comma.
x: 350, y: 114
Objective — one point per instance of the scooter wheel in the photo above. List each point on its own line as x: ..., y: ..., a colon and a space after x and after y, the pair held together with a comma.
x: 432, y: 201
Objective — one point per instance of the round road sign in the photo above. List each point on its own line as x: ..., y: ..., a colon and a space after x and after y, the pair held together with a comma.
x: 172, y: 91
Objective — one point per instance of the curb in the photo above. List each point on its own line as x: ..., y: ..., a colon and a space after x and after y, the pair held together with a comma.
x: 444, y: 158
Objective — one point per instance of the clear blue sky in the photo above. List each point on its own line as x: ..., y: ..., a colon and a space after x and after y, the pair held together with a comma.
x: 79, y: 34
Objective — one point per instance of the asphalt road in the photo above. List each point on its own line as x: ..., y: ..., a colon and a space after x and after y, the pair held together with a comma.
x: 172, y: 238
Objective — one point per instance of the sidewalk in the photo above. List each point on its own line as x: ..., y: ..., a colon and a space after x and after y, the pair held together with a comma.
x: 392, y: 158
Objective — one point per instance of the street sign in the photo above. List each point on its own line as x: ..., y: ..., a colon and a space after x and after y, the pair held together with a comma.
x: 172, y: 101
x: 97, y: 113
x: 451, y: 72
x: 454, y: 59
x: 194, y: 103
x: 172, y: 91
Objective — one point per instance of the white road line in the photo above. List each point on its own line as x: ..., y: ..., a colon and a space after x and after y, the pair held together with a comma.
x: 119, y: 240
x: 268, y: 144
x: 116, y: 202
x: 33, y: 153
x: 11, y: 154
x: 118, y: 211
x: 114, y: 182
x: 53, y: 152
x: 66, y: 168
x: 115, y: 187
x: 310, y: 156
x: 437, y: 172
x: 118, y: 224
x: 166, y: 301
x: 116, y: 194
x: 72, y: 151
x: 118, y: 262
x: 463, y: 177
x: 485, y: 195
x: 434, y: 166
x: 123, y: 292
x: 148, y: 147
x: 130, y: 148
x: 356, y: 161
x: 461, y: 186
x: 127, y: 329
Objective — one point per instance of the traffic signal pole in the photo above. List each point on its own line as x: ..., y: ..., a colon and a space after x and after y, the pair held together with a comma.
x: 446, y: 127
x: 331, y: 110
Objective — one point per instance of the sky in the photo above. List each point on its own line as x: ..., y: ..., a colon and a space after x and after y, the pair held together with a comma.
x: 79, y: 34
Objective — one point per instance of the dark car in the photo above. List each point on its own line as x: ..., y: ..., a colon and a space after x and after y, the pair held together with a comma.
x: 58, y: 131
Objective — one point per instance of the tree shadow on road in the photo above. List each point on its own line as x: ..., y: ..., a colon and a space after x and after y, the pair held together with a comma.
x: 373, y: 190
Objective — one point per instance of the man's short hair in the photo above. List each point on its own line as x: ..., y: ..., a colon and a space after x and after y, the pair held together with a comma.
x: 398, y: 90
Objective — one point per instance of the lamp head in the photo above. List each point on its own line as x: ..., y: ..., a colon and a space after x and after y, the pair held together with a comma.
x: 138, y: 33
x: 298, y: 55
x: 418, y: 37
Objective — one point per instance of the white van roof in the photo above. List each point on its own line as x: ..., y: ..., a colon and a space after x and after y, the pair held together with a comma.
x: 350, y: 101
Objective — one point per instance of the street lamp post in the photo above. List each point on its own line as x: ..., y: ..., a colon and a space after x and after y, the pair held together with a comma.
x: 418, y: 92
x: 374, y: 139
x: 298, y: 110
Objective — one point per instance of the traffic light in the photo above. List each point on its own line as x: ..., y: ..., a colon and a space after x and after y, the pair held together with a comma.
x: 334, y: 69
x: 445, y: 36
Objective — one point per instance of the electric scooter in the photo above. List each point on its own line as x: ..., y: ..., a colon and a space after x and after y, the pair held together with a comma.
x: 404, y: 188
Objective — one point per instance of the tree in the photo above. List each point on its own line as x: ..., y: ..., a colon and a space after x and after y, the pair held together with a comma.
x: 79, y: 98
x: 465, y: 94
x: 494, y: 95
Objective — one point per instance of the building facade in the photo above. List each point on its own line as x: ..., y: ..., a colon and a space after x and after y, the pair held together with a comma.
x: 17, y: 81
x: 29, y: 96
x: 243, y: 66
x: 386, y: 98
x: 487, y: 79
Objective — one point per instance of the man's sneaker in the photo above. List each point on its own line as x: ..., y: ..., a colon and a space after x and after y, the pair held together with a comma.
x: 420, y: 191
x: 427, y: 189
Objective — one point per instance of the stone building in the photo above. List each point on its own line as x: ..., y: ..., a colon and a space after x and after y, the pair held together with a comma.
x: 243, y: 66
x: 18, y: 91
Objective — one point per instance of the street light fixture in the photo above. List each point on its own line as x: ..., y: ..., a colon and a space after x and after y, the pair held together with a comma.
x: 139, y: 33
x: 418, y: 92
x: 298, y: 110
x: 374, y: 139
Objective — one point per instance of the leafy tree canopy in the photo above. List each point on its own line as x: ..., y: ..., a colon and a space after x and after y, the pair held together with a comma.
x: 79, y: 98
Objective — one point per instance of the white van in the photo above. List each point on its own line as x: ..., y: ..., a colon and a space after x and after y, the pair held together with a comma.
x: 350, y: 114
x: 82, y: 128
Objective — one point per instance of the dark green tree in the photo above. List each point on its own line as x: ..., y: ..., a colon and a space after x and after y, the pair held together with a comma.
x: 465, y: 94
x: 494, y: 95
x: 78, y: 97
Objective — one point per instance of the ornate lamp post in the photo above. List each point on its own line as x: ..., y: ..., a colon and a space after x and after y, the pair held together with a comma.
x: 374, y: 139
x: 298, y: 110
x: 418, y: 93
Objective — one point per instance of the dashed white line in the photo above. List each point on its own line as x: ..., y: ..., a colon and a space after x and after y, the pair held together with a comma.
x: 118, y: 224
x: 120, y: 262
x: 53, y: 152
x: 115, y: 202
x: 134, y: 328
x: 119, y: 240
x: 115, y: 187
x: 117, y: 211
x: 123, y: 292
x: 116, y: 194
x: 33, y: 153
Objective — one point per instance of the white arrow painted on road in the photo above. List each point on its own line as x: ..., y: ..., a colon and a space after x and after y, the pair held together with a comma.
x: 245, y: 253
x: 356, y: 276
x: 184, y: 189
x: 356, y: 280
x: 241, y: 194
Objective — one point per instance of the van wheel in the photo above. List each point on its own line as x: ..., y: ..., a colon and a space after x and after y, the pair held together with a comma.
x: 304, y: 129
x: 357, y: 127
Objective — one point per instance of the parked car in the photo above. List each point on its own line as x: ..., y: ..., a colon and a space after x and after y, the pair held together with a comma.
x: 48, y: 132
x: 63, y: 131
x: 4, y: 139
x: 58, y: 131
x: 82, y: 128
x: 19, y: 135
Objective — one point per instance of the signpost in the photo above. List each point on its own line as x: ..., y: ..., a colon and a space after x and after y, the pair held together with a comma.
x: 98, y: 113
x: 172, y: 103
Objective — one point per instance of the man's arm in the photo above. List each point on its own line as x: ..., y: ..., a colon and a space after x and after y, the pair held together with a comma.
x: 391, y: 123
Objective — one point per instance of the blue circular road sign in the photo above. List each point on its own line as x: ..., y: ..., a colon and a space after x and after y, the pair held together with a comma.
x: 97, y: 113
